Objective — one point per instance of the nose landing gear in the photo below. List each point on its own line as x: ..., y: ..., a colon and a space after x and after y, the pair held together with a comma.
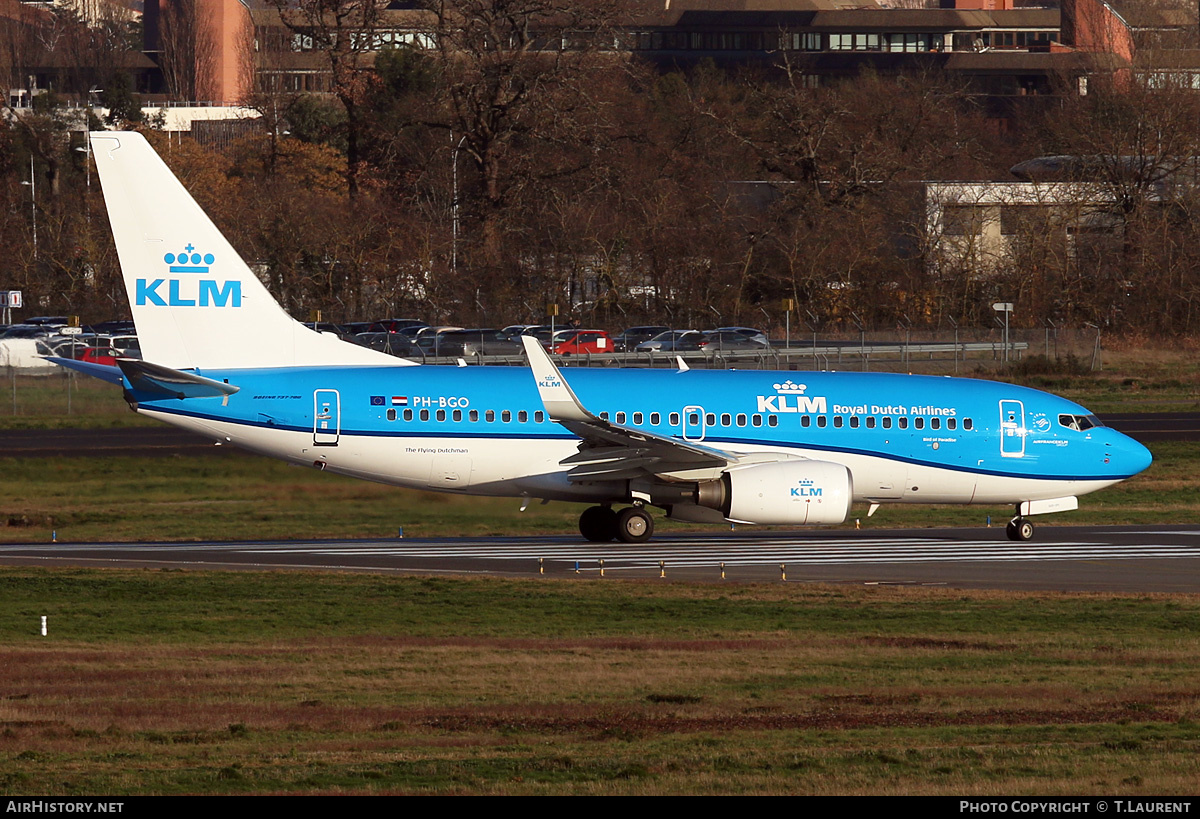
x: 1019, y: 528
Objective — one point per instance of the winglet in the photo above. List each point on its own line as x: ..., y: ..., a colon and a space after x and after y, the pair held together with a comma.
x: 560, y: 401
x: 683, y: 367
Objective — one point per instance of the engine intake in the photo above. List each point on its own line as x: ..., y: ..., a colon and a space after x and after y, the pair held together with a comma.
x: 805, y: 493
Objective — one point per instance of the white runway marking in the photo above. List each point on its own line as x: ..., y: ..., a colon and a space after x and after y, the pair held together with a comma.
x: 740, y: 552
x: 674, y: 553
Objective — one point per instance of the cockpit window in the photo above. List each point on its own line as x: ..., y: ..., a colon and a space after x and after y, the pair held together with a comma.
x: 1080, y: 422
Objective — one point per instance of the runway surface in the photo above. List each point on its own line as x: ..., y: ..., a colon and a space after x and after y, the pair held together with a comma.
x: 1128, y: 559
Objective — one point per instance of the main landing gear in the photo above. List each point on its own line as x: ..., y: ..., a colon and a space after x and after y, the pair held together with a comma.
x: 1019, y: 528
x: 601, y: 524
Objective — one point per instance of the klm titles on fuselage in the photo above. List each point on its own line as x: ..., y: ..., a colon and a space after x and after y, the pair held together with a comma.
x: 188, y: 291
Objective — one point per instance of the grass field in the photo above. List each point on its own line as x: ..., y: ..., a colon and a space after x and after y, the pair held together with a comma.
x: 190, y: 682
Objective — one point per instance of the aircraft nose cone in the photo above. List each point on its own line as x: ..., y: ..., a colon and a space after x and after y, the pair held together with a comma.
x: 1131, y: 456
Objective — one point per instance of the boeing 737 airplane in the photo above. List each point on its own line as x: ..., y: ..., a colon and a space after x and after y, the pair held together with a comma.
x: 224, y: 360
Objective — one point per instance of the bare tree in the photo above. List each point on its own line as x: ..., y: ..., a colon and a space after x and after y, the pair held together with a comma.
x: 344, y: 33
x: 516, y: 74
x: 189, y: 49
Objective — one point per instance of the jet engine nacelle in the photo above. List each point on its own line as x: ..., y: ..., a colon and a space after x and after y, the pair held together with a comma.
x: 805, y: 493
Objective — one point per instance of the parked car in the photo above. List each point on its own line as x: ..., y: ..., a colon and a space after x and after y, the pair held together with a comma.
x: 395, y: 325
x: 746, y: 332
x: 29, y: 331
x: 338, y: 330
x: 429, y: 339
x: 513, y: 332
x: 581, y: 342
x: 631, y: 337
x: 672, y: 341
x: 543, y: 332
x: 720, y: 340
x: 112, y: 327
x: 391, y: 343
x: 478, y: 341
x: 98, y: 355
x: 49, y: 321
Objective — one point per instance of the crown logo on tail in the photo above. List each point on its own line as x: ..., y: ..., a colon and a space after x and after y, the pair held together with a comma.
x: 189, y: 261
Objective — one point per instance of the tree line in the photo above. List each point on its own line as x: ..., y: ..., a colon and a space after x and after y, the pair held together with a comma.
x: 482, y: 180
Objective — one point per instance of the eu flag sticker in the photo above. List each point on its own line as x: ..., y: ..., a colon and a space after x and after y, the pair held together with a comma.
x: 377, y: 400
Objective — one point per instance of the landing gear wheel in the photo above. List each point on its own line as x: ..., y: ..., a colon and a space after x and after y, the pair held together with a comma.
x: 634, y: 525
x: 598, y: 524
x: 1019, y: 529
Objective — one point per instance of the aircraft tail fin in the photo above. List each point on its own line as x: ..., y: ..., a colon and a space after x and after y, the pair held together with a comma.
x: 195, y: 302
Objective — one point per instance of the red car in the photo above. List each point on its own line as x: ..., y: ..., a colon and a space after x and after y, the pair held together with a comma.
x: 99, y: 355
x: 582, y: 342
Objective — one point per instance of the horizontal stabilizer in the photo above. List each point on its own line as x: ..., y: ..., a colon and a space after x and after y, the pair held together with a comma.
x: 153, y: 378
x: 105, y: 372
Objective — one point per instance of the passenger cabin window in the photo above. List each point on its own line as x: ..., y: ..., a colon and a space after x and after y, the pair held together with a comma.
x: 620, y: 417
x: 726, y: 419
x: 772, y: 420
x: 457, y: 415
x: 539, y: 416
x: 637, y: 418
x: 887, y: 422
x: 424, y: 415
x: 853, y: 422
x: 967, y: 423
x: 490, y: 416
x: 473, y: 415
x: 506, y: 416
x: 674, y: 419
x: 741, y: 419
x: 408, y: 415
x: 391, y: 415
x: 838, y: 421
x: 870, y: 422
x: 935, y: 423
x: 523, y: 416
x: 822, y: 421
x: 655, y: 419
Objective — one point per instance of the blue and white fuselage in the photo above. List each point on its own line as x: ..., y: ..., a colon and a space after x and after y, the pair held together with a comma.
x: 484, y: 430
x: 223, y: 359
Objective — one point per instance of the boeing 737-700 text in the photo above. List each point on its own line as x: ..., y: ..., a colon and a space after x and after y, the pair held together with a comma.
x: 224, y: 360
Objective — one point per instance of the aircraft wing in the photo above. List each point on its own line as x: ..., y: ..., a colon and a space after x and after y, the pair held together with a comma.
x: 608, y: 451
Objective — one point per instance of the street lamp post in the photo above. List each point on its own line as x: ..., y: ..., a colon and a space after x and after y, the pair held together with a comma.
x: 32, y: 183
x: 1006, y: 308
x: 454, y: 207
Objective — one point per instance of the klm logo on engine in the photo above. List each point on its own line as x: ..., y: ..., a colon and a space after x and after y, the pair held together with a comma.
x: 806, y: 489
x: 187, y: 290
x: 790, y: 397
